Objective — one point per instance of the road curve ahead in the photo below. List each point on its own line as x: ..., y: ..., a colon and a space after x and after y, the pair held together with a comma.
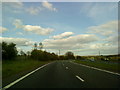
x: 65, y: 74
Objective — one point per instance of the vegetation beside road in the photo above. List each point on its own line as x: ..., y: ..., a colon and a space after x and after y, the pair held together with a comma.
x: 14, y: 67
x: 14, y: 62
x: 106, y: 65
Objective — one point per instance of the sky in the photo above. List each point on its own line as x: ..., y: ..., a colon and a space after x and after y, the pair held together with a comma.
x: 84, y: 28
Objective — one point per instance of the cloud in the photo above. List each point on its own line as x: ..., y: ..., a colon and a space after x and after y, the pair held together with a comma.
x: 3, y: 29
x: 18, y: 7
x: 31, y: 28
x: 95, y: 48
x: 45, y: 5
x: 33, y: 10
x: 104, y: 48
x: 63, y: 35
x: 112, y: 39
x: 106, y: 29
x: 19, y: 33
x: 100, y: 11
x: 18, y: 23
x: 13, y: 4
x: 72, y: 42
x: 37, y: 29
x: 17, y: 41
x: 13, y: 7
x: 48, y: 6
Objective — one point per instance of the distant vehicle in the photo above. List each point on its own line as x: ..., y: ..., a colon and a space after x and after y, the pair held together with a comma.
x: 92, y: 59
x: 106, y: 59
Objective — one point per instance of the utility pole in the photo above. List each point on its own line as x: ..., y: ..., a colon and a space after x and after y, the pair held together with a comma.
x: 59, y: 52
x: 99, y: 53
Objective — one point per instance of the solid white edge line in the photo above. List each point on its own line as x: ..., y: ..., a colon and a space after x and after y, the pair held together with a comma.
x: 16, y: 81
x: 79, y: 78
x: 98, y: 69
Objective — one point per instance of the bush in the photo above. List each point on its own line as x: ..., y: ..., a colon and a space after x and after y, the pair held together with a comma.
x: 43, y: 55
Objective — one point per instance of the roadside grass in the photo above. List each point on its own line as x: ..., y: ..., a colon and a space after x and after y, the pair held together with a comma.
x: 114, y: 67
x: 12, y: 67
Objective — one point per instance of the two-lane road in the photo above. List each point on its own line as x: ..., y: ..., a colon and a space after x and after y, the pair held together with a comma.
x: 65, y: 74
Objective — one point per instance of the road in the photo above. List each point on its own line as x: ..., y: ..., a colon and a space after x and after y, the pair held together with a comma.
x: 65, y: 74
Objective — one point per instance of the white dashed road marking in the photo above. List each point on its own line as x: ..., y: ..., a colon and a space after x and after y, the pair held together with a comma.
x: 79, y: 78
x: 66, y: 67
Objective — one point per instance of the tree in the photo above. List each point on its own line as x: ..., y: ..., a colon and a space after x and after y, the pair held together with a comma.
x: 43, y: 55
x: 69, y: 55
x: 35, y: 46
x: 62, y: 57
x: 28, y: 53
x: 9, y: 51
x: 40, y: 45
x: 78, y: 57
x: 22, y: 53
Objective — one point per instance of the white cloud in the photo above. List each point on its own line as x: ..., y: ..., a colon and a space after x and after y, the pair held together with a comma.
x: 19, y: 33
x: 16, y: 5
x: 100, y: 11
x: 18, y: 23
x: 95, y: 48
x: 72, y: 42
x: 106, y: 29
x: 37, y: 29
x: 31, y: 28
x: 112, y: 39
x: 63, y: 35
x: 45, y: 5
x: 99, y: 46
x: 3, y: 29
x: 33, y: 10
x: 17, y: 41
x: 49, y: 6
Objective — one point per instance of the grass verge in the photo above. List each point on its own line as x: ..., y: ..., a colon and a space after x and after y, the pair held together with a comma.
x: 114, y: 67
x: 12, y: 67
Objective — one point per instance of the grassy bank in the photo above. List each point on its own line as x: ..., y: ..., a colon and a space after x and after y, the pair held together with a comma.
x: 12, y: 67
x: 114, y: 67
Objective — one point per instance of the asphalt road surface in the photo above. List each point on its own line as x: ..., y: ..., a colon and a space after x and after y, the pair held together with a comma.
x: 65, y: 74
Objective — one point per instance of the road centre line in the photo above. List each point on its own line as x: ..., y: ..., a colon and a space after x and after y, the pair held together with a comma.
x: 97, y: 69
x: 79, y: 78
x: 16, y: 81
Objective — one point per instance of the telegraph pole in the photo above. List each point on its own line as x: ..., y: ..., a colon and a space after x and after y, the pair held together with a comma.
x: 99, y: 53
x: 59, y: 52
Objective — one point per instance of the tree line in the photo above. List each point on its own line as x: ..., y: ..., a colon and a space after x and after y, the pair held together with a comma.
x: 9, y: 52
